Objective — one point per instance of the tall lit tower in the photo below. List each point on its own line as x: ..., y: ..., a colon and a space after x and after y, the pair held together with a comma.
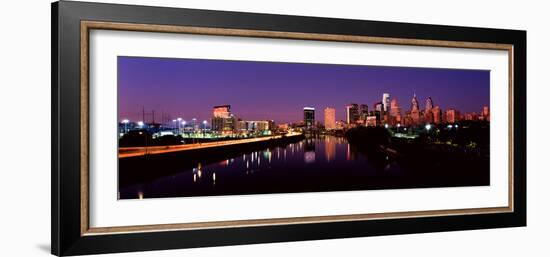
x: 352, y: 113
x: 309, y: 117
x: 428, y: 113
x: 386, y: 102
x: 330, y: 118
x: 394, y: 108
x: 429, y: 103
x: 414, y: 103
x: 222, y: 119
x: 437, y: 114
x: 415, y: 111
x: 363, y: 112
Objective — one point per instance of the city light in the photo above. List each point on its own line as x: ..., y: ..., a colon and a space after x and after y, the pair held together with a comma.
x: 225, y: 124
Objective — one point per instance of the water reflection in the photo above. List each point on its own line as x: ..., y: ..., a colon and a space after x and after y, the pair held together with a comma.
x: 331, y: 165
x: 330, y: 148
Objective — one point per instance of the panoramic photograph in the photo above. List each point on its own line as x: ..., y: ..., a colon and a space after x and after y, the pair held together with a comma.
x: 200, y: 127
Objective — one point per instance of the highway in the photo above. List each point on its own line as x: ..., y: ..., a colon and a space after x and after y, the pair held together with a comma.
x: 125, y: 152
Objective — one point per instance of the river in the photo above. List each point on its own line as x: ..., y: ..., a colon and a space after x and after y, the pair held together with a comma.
x: 314, y: 164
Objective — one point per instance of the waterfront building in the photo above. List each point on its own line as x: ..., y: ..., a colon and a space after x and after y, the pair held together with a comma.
x: 222, y: 111
x: 309, y: 117
x: 330, y: 118
x: 240, y: 126
x: 223, y: 120
x: 340, y: 125
x: 283, y: 127
x: 257, y: 126
x: 352, y: 113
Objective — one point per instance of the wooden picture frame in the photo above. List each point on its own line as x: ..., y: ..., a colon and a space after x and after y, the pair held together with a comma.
x: 71, y: 232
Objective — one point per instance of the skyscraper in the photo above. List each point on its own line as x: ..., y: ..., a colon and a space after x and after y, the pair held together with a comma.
x: 330, y: 118
x: 394, y: 108
x: 309, y: 117
x: 352, y: 113
x: 415, y: 111
x: 363, y: 112
x: 378, y: 111
x: 222, y: 120
x: 428, y: 114
x: 386, y: 102
x: 452, y: 116
x: 437, y: 114
x: 429, y: 103
x: 395, y: 113
x: 222, y: 111
x: 414, y: 103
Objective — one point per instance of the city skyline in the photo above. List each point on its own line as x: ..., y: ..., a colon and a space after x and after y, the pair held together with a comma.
x: 191, y: 87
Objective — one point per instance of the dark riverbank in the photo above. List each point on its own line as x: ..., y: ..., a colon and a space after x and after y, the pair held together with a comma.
x: 145, y: 168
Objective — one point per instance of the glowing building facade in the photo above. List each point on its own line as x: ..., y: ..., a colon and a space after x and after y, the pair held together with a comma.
x: 309, y: 117
x: 330, y: 118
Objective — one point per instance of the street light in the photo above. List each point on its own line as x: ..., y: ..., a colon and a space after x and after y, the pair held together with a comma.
x: 178, y: 123
x: 183, y: 125
x: 125, y: 122
x: 140, y: 124
x: 428, y: 127
x: 204, y: 129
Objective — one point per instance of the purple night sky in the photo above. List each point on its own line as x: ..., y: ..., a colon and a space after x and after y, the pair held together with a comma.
x: 189, y: 88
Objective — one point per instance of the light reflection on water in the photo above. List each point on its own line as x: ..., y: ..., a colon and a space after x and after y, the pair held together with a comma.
x: 294, y: 162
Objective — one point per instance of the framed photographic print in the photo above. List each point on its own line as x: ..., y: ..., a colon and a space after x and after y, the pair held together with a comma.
x: 177, y: 128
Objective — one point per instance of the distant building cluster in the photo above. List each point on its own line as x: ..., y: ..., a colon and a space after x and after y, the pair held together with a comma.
x: 389, y: 113
x: 384, y: 113
x: 224, y: 122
